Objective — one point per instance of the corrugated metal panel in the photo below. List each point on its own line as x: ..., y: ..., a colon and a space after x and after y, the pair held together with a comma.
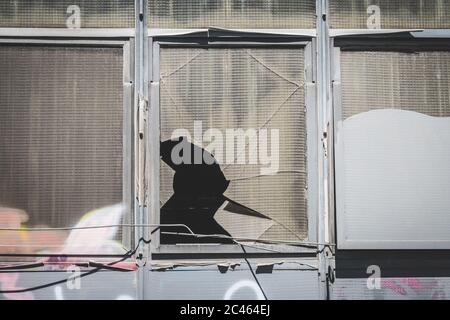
x: 240, y: 89
x: 377, y: 80
x: 280, y: 14
x: 394, y: 14
x: 61, y: 133
x: 54, y: 14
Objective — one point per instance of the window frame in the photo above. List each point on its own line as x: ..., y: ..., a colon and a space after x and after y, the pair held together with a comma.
x: 381, y: 41
x: 173, y: 39
x: 94, y: 39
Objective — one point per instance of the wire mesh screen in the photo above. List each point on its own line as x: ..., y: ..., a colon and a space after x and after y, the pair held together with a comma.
x: 63, y: 13
x: 280, y: 14
x: 241, y: 88
x: 397, y: 14
x: 60, y: 145
x: 409, y: 81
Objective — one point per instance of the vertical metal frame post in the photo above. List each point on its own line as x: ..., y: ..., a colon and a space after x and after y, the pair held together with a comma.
x: 141, y: 132
x: 324, y: 107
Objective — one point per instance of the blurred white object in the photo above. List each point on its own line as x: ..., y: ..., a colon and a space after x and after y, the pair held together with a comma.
x: 100, y: 240
x: 393, y: 181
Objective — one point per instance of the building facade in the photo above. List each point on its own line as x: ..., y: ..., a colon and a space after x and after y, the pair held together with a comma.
x: 233, y: 149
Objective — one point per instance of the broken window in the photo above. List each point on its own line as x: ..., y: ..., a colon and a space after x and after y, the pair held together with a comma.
x: 392, y: 155
x: 61, y: 148
x: 233, y: 143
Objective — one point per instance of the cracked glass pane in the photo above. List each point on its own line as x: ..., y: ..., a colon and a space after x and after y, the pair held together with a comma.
x: 220, y: 89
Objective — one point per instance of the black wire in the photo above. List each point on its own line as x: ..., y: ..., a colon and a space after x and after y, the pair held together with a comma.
x: 327, y: 283
x: 108, y: 266
x: 326, y: 246
x: 94, y: 264
x: 253, y: 273
x: 233, y: 239
x: 23, y: 266
x: 156, y: 229
x: 51, y: 284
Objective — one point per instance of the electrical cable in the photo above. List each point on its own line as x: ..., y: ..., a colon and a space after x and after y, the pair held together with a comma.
x: 302, y: 243
x: 47, y: 285
x: 325, y: 246
x: 277, y: 251
x: 94, y: 264
x: 110, y: 266
x: 98, y: 268
x: 191, y: 233
x: 235, y: 240
x: 253, y: 273
x: 311, y: 267
x: 99, y: 227
x: 123, y: 225
x: 22, y: 266
x: 41, y: 264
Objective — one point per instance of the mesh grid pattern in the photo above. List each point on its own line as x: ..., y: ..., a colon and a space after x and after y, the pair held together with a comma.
x: 243, y: 88
x: 60, y: 131
x: 280, y: 14
x: 417, y: 82
x: 53, y: 14
x: 395, y: 14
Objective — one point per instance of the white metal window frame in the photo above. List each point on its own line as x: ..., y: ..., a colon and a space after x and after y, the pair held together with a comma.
x: 360, y: 41
x: 96, y: 39
x: 153, y: 162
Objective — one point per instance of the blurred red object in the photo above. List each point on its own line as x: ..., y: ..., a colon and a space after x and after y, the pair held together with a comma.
x: 23, y: 241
